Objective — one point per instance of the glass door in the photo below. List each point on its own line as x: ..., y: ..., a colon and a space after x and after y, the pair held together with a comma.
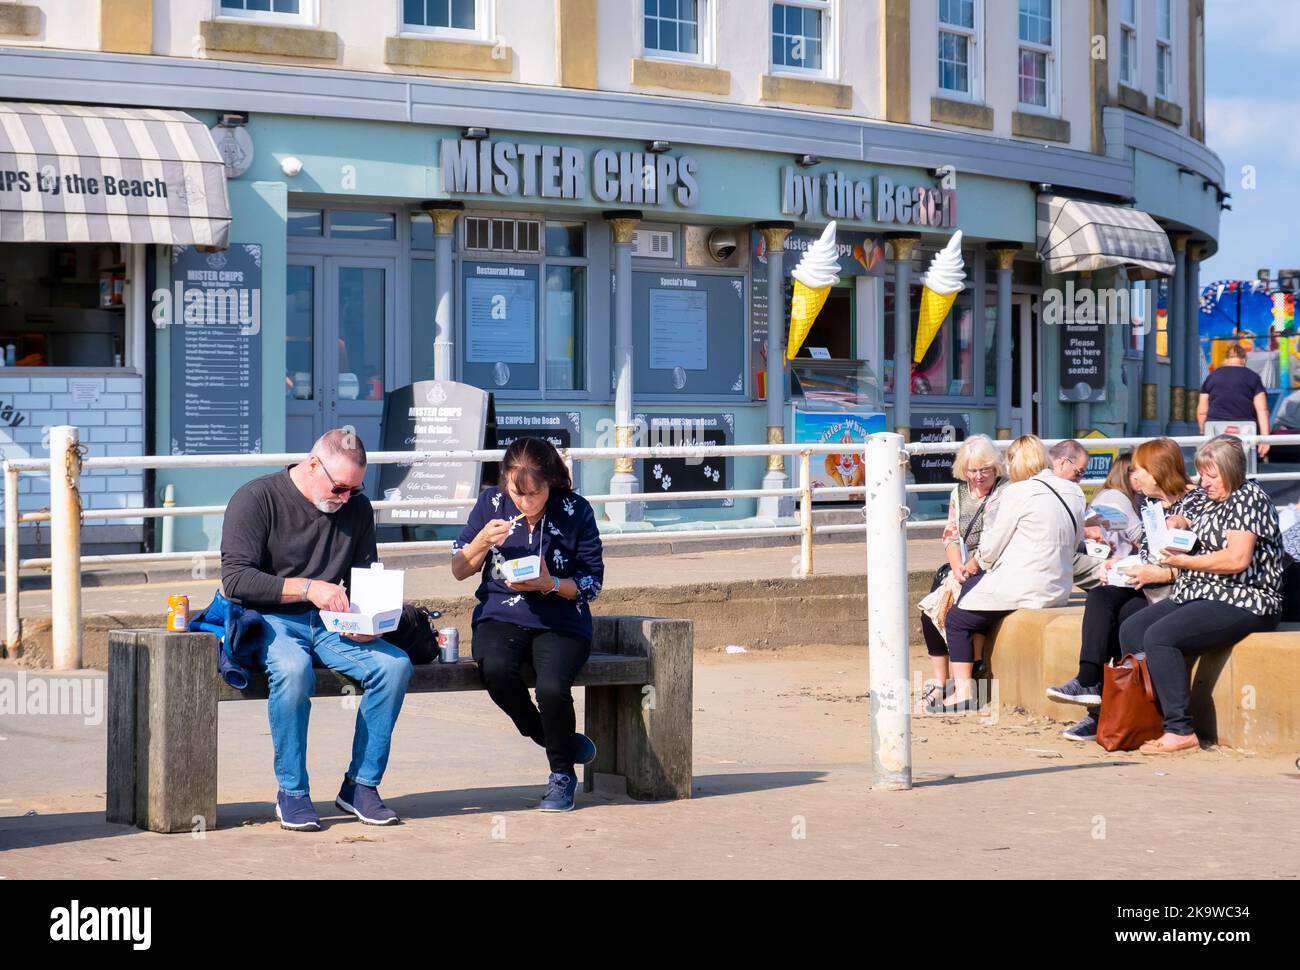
x: 357, y: 351
x: 304, y: 392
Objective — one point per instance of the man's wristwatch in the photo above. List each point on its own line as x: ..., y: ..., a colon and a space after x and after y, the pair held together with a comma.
x: 306, y: 590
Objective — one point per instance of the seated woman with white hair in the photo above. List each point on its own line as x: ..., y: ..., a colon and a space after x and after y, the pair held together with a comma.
x: 1228, y: 587
x: 980, y: 474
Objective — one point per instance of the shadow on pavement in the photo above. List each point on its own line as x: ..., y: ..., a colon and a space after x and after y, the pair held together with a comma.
x: 1025, y: 773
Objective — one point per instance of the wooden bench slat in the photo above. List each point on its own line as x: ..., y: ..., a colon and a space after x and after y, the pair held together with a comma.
x: 601, y: 670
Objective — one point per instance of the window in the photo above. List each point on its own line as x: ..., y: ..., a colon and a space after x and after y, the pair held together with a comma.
x: 1164, y: 49
x: 498, y: 235
x: 676, y: 28
x: 449, y: 18
x: 1128, y: 45
x: 1038, y: 60
x: 960, y: 26
x: 276, y: 11
x: 801, y: 33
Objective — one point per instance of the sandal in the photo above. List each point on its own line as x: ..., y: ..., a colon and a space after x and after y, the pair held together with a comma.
x: 1188, y: 742
x: 932, y: 697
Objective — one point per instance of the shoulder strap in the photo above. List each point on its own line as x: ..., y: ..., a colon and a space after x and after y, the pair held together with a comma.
x: 1073, y: 521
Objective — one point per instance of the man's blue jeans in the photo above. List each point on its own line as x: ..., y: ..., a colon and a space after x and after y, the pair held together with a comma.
x: 382, y: 670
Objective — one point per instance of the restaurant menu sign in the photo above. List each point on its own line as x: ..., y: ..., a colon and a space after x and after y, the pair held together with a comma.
x: 433, y: 416
x: 214, y: 312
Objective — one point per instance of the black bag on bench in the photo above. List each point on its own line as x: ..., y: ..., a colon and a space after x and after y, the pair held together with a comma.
x: 416, y: 634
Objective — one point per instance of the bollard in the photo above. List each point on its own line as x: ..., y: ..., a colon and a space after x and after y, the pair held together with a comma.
x: 65, y: 546
x: 13, y: 634
x: 886, y: 513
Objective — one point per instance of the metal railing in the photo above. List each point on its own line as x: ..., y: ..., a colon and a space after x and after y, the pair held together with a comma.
x: 66, y: 561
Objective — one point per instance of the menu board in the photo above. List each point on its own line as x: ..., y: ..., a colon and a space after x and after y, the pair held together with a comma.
x: 216, y: 351
x: 688, y: 334
x: 932, y: 427
x: 711, y: 474
x: 500, y: 312
x: 679, y: 329
x: 432, y: 416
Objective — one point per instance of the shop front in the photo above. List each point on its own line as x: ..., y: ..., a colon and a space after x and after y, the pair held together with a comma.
x: 87, y: 198
x: 493, y: 259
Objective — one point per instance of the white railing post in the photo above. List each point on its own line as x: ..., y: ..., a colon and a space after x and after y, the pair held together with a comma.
x: 13, y: 635
x: 886, y: 513
x: 65, y: 546
x: 805, y: 515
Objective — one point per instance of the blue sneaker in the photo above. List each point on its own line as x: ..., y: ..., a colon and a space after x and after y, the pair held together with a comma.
x: 1085, y: 730
x: 560, y: 789
x: 584, y: 749
x: 364, y: 802
x: 1073, y: 692
x: 296, y: 813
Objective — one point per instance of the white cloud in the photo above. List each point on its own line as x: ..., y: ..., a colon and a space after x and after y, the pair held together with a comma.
x: 1260, y: 127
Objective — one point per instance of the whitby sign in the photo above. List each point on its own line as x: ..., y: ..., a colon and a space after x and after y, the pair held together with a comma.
x: 524, y: 170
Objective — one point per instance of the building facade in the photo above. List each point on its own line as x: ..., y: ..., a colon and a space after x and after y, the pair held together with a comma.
x: 591, y: 208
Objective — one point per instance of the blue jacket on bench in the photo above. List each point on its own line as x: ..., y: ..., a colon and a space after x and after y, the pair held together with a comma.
x: 239, y: 634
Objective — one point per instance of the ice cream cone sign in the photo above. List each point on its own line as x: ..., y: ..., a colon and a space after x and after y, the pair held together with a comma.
x: 942, y: 282
x: 817, y: 272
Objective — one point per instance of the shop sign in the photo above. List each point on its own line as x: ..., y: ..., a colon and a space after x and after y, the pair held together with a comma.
x: 563, y: 429
x: 712, y: 474
x: 1082, y: 362
x: 843, y: 469
x: 834, y: 195
x: 937, y: 426
x: 530, y: 170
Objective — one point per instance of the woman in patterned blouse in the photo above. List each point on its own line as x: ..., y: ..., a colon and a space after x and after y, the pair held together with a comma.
x: 544, y: 621
x: 1226, y: 589
x: 979, y: 473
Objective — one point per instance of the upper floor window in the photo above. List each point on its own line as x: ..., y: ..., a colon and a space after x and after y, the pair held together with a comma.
x: 960, y: 28
x: 1038, y: 61
x: 275, y: 11
x: 448, y: 17
x: 801, y: 36
x: 1128, y: 44
x: 676, y: 28
x: 1164, y: 49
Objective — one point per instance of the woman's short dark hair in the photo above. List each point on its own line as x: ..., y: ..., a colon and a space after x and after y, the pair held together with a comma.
x: 530, y: 463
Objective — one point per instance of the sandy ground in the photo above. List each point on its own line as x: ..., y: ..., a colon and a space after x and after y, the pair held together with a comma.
x: 782, y: 789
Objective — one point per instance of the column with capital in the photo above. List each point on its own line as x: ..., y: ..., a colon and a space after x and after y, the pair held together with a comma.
x: 903, y: 246
x: 622, y: 224
x: 1149, y: 426
x: 1004, y: 256
x: 1195, y: 250
x: 443, y: 213
x: 774, y: 236
x: 1177, y: 325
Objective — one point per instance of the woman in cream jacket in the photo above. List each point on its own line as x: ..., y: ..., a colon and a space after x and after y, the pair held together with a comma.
x: 1025, y: 557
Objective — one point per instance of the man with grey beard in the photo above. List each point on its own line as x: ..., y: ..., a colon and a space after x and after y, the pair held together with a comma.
x: 288, y: 544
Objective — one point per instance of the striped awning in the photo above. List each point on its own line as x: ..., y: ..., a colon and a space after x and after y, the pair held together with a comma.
x: 74, y: 173
x: 1076, y: 236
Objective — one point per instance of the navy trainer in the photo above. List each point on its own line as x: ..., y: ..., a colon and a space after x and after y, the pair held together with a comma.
x: 1073, y: 692
x: 296, y: 813
x: 1085, y: 730
x: 364, y: 802
x: 560, y: 789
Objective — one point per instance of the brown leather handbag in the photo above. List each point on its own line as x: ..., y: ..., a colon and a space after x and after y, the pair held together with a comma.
x: 1130, y: 713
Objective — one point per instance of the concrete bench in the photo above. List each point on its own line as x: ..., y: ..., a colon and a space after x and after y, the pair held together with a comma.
x: 163, y: 691
x: 1247, y: 697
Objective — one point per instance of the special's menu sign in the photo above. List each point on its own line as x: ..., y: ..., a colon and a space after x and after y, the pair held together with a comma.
x: 670, y: 475
x: 937, y: 426
x: 214, y: 313
x: 432, y: 416
x: 1082, y: 362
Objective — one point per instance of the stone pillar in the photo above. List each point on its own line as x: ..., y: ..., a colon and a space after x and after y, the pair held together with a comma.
x: 1177, y: 331
x: 1149, y: 426
x: 774, y: 236
x: 903, y: 245
x: 1004, y: 255
x: 1195, y: 250
x: 444, y: 325
x: 622, y: 224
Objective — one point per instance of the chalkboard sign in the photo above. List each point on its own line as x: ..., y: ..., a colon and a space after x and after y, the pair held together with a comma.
x: 1083, y: 362
x: 687, y: 474
x: 216, y: 350
x: 432, y: 416
x: 938, y: 426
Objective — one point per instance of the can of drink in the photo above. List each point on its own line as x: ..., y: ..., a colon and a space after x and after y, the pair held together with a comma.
x: 178, y: 613
x: 449, y: 645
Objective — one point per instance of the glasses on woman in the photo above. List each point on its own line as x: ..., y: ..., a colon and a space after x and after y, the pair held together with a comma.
x: 337, y: 489
x: 988, y: 472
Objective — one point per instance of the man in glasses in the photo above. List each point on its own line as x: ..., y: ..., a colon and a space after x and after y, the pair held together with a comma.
x: 288, y: 544
x: 1069, y: 460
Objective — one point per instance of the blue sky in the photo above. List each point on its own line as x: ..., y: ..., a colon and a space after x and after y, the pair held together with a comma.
x: 1252, y: 102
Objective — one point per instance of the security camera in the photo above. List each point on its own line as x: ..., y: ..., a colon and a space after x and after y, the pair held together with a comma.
x: 722, y: 244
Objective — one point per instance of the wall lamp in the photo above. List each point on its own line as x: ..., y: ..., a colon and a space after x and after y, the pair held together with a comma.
x: 807, y: 161
x: 475, y: 134
x: 658, y: 147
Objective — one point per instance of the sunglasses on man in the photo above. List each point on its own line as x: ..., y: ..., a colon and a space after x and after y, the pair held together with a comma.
x: 337, y: 489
